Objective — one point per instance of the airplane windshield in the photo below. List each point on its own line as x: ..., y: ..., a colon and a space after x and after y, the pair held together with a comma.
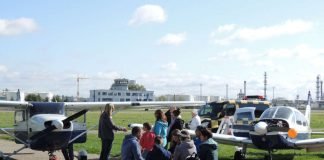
x: 268, y: 113
x: 47, y: 108
x: 277, y: 112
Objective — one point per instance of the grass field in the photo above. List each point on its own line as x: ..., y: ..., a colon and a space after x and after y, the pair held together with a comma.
x: 123, y: 118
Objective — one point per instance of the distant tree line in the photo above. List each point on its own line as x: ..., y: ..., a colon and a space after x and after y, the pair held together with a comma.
x: 38, y: 98
x: 136, y: 87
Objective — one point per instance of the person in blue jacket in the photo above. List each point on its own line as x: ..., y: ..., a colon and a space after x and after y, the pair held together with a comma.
x: 158, y: 152
x: 208, y: 147
x: 131, y: 149
x: 161, y: 126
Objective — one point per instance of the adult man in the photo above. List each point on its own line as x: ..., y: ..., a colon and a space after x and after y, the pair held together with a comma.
x: 195, y: 121
x: 158, y: 152
x: 131, y: 148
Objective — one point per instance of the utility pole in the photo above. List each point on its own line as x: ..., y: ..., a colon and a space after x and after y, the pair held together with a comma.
x: 200, y: 98
x: 78, y: 86
x: 226, y: 91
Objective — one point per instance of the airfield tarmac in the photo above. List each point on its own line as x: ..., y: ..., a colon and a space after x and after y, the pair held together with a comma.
x: 7, y: 146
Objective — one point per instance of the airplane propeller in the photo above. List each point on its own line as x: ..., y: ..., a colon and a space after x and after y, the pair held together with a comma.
x: 49, y: 129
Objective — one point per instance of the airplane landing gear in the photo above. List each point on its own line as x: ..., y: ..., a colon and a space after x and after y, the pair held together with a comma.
x: 240, y: 154
x: 52, y: 156
x: 269, y: 156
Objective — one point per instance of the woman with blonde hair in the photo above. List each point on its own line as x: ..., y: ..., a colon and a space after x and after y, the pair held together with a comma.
x: 106, y: 131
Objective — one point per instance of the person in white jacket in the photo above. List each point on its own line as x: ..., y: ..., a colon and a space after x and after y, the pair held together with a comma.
x: 195, y: 121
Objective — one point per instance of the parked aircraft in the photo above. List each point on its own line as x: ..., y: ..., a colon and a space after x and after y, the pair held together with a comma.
x: 44, y: 126
x: 279, y: 127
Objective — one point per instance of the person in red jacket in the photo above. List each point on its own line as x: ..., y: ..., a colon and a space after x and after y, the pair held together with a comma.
x: 147, y: 140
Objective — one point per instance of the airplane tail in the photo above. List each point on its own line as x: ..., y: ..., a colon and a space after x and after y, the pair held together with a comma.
x: 308, y: 108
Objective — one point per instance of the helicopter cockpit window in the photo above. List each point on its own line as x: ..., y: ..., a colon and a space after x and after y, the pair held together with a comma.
x: 206, y: 110
x: 19, y: 116
x: 230, y: 109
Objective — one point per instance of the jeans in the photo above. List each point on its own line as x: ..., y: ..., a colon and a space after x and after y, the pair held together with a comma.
x: 106, y: 145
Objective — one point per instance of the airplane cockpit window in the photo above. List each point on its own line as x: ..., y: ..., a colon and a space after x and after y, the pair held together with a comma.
x: 300, y: 119
x: 268, y: 113
x: 19, y: 116
x: 43, y: 108
x: 244, y: 115
x: 284, y: 113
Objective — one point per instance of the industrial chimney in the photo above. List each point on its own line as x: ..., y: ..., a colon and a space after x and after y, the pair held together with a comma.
x: 244, y: 88
x: 265, y: 85
x: 318, y: 87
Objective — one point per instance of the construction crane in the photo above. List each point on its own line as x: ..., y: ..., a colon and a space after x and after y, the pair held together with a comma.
x: 78, y: 86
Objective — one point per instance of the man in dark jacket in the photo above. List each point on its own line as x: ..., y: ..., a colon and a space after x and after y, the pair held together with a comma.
x: 177, y: 124
x: 158, y: 152
x: 131, y: 149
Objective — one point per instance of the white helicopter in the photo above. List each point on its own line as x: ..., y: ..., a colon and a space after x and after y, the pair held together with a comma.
x: 43, y: 126
x: 279, y: 127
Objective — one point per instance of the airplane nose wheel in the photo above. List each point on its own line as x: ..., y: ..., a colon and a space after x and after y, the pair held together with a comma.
x: 269, y: 156
x: 52, y: 156
x: 239, y: 155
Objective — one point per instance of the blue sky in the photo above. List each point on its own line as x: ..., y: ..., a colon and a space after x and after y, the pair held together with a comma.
x: 168, y: 46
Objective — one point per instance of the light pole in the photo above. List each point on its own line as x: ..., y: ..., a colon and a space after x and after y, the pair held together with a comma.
x: 200, y: 85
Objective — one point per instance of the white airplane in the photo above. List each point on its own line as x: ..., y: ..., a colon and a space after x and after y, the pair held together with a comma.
x: 279, y: 127
x: 43, y: 126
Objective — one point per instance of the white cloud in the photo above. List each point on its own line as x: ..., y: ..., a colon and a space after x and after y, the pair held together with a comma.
x: 240, y: 54
x: 290, y: 27
x: 17, y: 26
x: 173, y: 39
x: 3, y: 69
x: 172, y: 66
x: 148, y: 13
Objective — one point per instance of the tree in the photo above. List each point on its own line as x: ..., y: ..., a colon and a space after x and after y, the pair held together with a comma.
x: 161, y: 98
x: 136, y: 87
x: 57, y: 98
x: 34, y: 98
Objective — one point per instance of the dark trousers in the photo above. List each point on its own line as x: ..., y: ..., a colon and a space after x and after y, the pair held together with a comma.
x: 68, y: 152
x: 106, y: 145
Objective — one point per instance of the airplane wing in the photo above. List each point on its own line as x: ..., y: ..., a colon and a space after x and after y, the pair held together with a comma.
x: 228, y: 139
x: 10, y: 104
x: 311, y: 144
x: 140, y: 104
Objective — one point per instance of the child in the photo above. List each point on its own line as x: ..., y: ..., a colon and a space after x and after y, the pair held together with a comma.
x: 147, y: 139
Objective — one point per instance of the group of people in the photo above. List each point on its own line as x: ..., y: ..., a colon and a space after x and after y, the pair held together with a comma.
x: 166, y: 140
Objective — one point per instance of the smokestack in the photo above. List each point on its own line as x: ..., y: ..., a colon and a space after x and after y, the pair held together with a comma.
x: 321, y: 90
x: 226, y: 91
x: 265, y: 85
x: 318, y: 87
x: 244, y: 88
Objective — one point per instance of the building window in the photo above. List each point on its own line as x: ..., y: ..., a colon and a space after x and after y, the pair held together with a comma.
x: 104, y: 93
x: 128, y: 94
x: 115, y: 94
x: 107, y: 99
x: 98, y: 99
x: 127, y: 99
x: 134, y: 94
x: 98, y: 93
x: 122, y: 100
x: 110, y: 93
x: 119, y: 94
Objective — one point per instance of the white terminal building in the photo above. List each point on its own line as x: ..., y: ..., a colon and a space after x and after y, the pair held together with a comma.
x: 119, y: 92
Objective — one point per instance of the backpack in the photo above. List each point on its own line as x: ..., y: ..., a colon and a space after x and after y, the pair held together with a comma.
x: 193, y: 156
